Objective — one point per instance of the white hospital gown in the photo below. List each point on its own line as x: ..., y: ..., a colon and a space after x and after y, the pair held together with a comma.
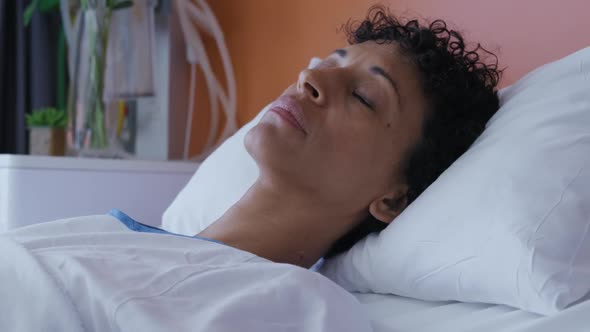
x: 94, y: 274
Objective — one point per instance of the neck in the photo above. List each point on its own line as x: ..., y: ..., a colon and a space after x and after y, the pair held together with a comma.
x: 284, y: 227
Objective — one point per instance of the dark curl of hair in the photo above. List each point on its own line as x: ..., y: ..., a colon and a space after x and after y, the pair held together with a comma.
x: 460, y: 90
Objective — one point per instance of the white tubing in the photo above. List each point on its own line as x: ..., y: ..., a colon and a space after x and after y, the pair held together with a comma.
x: 191, y: 107
x: 230, y: 111
x: 201, y: 54
x: 202, y: 16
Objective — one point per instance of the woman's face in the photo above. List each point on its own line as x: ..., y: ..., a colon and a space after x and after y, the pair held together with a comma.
x: 341, y: 133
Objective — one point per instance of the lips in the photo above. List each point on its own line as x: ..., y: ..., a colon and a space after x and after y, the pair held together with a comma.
x: 289, y: 109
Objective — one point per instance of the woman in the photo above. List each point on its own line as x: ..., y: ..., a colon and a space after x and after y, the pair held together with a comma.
x: 357, y: 138
x: 341, y: 153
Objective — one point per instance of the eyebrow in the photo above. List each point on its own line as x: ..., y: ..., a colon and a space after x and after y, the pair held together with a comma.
x: 341, y: 52
x: 376, y: 70
x: 380, y: 71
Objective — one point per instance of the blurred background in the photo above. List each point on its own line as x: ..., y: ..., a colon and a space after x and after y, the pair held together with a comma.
x: 171, y: 108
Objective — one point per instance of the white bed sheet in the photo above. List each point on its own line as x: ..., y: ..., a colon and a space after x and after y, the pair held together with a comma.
x: 390, y: 313
x: 95, y: 274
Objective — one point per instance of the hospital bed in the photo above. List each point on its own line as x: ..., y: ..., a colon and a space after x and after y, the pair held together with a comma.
x: 391, y: 313
x: 146, y: 188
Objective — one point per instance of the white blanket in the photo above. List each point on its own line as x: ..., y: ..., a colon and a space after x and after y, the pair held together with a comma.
x: 93, y: 274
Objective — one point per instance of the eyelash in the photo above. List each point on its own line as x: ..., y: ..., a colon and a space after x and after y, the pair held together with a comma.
x: 363, y: 100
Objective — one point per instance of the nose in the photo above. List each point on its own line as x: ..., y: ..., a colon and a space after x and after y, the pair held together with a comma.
x: 310, y: 85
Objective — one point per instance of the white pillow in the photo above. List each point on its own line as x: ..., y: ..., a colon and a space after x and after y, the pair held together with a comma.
x: 507, y: 223
x: 219, y: 182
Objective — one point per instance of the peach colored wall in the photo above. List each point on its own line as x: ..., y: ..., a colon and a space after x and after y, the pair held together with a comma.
x: 525, y: 33
x: 270, y: 41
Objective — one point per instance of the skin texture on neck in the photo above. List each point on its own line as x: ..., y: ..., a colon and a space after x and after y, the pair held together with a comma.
x: 284, y: 226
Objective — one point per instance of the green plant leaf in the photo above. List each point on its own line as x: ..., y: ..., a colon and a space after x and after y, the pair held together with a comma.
x: 28, y: 14
x: 122, y: 5
x: 47, y: 5
x: 44, y: 6
x: 29, y: 119
x: 47, y: 117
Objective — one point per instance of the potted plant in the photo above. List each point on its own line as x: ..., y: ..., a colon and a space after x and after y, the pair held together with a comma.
x: 47, y: 133
x: 85, y: 104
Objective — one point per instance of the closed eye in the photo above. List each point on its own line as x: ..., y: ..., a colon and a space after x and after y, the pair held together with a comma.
x: 363, y: 100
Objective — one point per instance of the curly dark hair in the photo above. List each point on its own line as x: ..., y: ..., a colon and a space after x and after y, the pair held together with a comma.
x: 460, y: 90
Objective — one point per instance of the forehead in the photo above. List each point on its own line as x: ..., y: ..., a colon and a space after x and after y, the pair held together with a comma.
x: 385, y: 54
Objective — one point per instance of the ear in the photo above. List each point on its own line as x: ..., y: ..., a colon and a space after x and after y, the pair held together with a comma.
x: 388, y: 206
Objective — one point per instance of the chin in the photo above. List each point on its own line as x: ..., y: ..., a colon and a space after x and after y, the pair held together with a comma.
x: 270, y: 149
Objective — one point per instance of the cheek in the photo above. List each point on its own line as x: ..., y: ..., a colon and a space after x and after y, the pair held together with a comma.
x: 366, y: 143
x: 357, y: 157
